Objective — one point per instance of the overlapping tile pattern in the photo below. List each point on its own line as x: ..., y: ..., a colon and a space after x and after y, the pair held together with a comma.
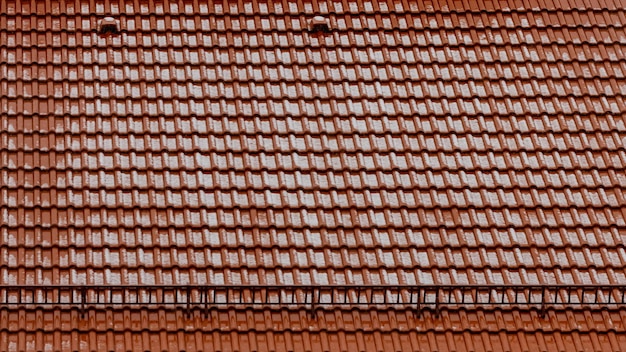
x: 451, y: 142
x: 332, y: 331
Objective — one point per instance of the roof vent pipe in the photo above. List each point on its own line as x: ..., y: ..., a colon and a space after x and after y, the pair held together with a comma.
x: 108, y: 25
x: 319, y: 24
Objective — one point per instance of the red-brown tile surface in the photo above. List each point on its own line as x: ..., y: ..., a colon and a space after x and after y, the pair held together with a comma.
x: 283, y: 330
x: 452, y: 142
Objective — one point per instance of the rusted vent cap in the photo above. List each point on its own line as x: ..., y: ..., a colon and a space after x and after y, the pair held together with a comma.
x: 319, y: 24
x: 108, y: 25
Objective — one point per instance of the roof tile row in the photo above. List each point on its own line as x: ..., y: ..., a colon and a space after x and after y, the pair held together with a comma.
x: 330, y: 331
x: 164, y: 9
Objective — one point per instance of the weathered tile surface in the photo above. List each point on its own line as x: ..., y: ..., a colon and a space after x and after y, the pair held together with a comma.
x: 452, y: 142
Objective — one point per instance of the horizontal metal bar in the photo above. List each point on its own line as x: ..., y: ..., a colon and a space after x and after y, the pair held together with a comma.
x: 318, y: 287
x: 415, y: 296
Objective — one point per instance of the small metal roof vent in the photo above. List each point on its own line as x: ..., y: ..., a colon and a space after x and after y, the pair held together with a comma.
x: 108, y: 25
x: 319, y: 24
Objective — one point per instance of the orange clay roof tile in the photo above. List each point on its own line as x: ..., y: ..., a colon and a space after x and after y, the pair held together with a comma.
x: 418, y: 142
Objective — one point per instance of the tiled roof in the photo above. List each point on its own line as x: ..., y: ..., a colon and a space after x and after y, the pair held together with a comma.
x: 335, y: 331
x: 458, y: 142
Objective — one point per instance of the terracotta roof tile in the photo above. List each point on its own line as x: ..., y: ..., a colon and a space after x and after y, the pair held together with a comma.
x: 294, y: 330
x: 439, y: 142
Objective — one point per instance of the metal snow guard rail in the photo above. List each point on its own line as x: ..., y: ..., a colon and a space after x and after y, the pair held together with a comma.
x: 417, y: 297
